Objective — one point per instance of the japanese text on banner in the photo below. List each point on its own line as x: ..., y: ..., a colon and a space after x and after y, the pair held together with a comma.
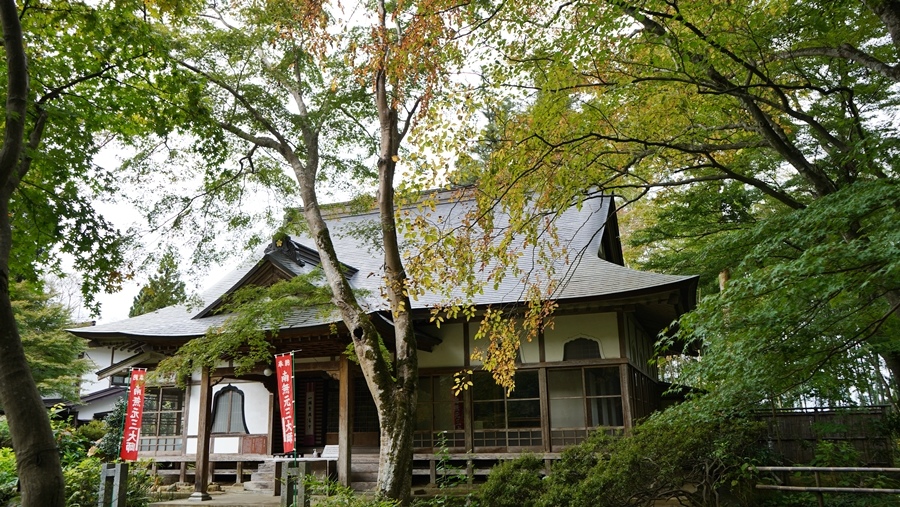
x: 133, y: 415
x: 284, y: 369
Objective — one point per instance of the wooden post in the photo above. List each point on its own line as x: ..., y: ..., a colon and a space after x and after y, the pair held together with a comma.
x: 113, y: 485
x: 625, y: 381
x: 345, y: 418
x: 201, y: 474
x: 293, y: 493
x: 468, y: 420
x: 546, y: 435
x: 819, y: 497
x: 279, y: 470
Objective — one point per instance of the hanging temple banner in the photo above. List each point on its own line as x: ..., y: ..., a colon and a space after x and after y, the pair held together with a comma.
x: 133, y: 415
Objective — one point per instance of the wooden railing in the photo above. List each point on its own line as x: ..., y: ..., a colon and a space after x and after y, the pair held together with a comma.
x: 794, y: 433
x: 820, y: 490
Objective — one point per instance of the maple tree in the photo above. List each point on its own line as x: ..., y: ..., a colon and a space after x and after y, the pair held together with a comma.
x: 330, y: 96
x: 752, y: 140
x: 92, y: 78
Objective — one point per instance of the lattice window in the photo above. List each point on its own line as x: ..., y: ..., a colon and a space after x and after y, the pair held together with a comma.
x: 365, y: 415
x: 228, y: 411
x: 581, y: 348
x: 438, y: 412
x: 163, y: 417
x: 585, y: 398
x: 497, y: 416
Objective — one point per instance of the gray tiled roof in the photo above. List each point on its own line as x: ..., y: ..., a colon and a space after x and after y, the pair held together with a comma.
x: 579, y: 274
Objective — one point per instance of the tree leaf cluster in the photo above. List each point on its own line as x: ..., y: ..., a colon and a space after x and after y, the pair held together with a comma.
x: 255, y: 314
x: 747, y: 140
x: 54, y: 355
x: 99, y: 78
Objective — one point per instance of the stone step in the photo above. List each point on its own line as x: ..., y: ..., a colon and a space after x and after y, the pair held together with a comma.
x: 266, y: 466
x: 363, y: 485
x: 260, y: 486
x: 365, y: 467
x: 262, y: 476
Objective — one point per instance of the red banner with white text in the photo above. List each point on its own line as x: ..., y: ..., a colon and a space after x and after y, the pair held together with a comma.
x: 134, y: 412
x: 284, y: 369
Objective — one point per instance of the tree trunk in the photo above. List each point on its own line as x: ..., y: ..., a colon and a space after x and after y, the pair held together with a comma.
x: 37, y: 456
x: 394, y: 391
x: 395, y: 459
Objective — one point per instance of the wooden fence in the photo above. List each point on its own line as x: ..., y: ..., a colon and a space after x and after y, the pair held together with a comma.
x: 794, y: 434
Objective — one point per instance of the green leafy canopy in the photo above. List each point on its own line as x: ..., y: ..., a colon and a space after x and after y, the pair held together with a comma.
x: 255, y: 314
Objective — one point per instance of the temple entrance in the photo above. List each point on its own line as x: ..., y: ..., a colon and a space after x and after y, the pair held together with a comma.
x: 316, y: 409
x: 310, y: 403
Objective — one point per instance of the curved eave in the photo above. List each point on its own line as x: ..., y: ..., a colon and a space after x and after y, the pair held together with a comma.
x: 686, y: 289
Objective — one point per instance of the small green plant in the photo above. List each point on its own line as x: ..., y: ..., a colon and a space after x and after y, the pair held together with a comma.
x: 835, y: 454
x: 8, y: 477
x: 449, y: 476
x: 82, y: 482
x: 92, y: 431
x: 5, y: 439
x: 333, y: 494
x: 109, y: 445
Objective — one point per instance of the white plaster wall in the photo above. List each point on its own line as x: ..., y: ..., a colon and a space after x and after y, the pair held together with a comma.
x: 100, y: 357
x: 191, y: 447
x: 450, y: 352
x: 86, y: 412
x: 602, y: 327
x: 226, y: 445
x: 530, y: 351
x: 192, y: 423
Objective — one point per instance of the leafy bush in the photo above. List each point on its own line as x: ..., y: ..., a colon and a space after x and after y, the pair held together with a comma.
x: 673, y: 456
x: 73, y: 447
x: 515, y: 483
x: 80, y: 471
x: 337, y: 495
x: 82, y: 482
x: 8, y: 475
x: 140, y: 480
x: 109, y: 445
x: 5, y: 439
x: 92, y: 431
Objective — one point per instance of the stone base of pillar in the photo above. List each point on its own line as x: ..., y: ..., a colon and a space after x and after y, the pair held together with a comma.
x: 199, y: 496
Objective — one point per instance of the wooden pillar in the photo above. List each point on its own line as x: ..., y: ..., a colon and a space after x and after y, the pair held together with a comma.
x: 625, y: 381
x: 542, y: 345
x: 345, y: 421
x: 201, y: 474
x: 468, y: 416
x: 545, y: 410
x: 468, y: 421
